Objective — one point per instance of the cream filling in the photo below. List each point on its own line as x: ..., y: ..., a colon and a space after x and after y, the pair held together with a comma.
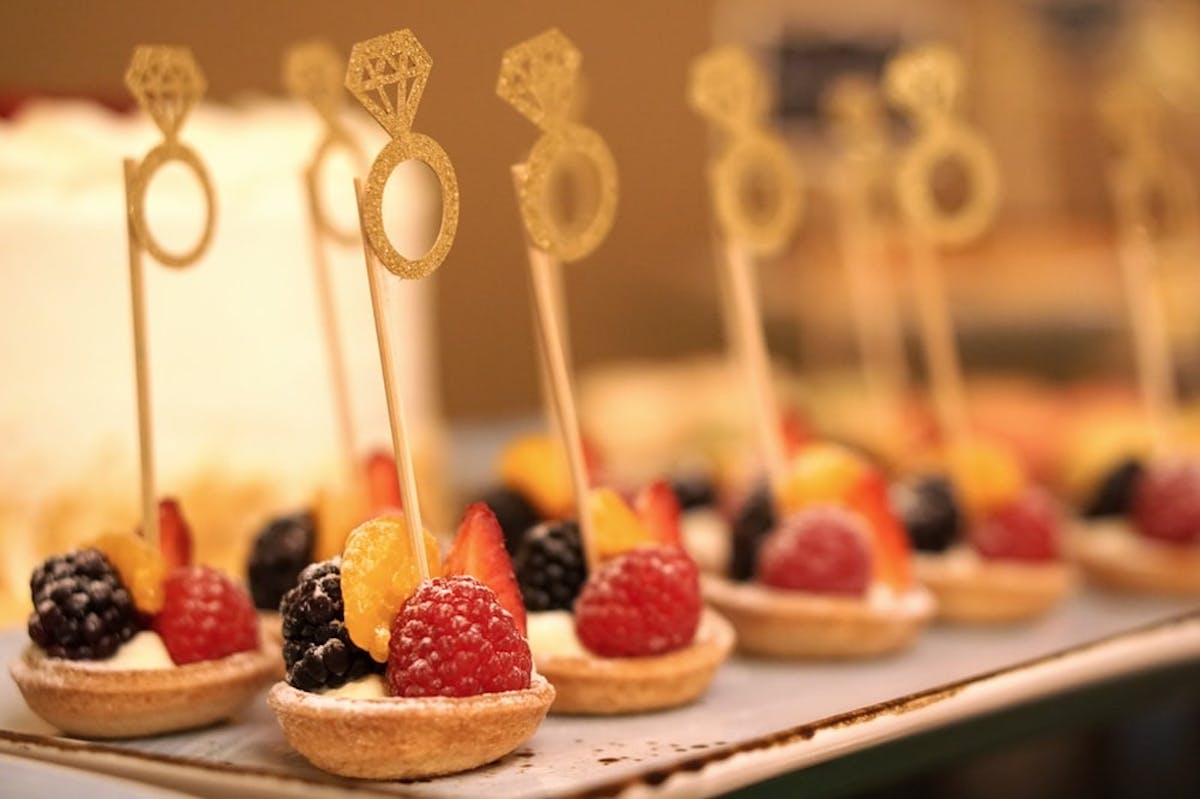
x: 144, y: 652
x: 882, y: 598
x: 1114, y: 538
x: 552, y: 632
x: 706, y: 537
x: 368, y: 687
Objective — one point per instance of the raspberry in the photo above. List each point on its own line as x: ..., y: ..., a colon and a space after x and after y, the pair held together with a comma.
x: 753, y: 521
x: 1026, y: 528
x: 281, y: 551
x: 1166, y: 503
x: 514, y: 512
x: 317, y: 651
x: 205, y: 616
x: 81, y: 609
x: 550, y: 566
x: 1114, y: 495
x: 824, y: 549
x: 930, y: 512
x: 645, y: 602
x: 452, y: 638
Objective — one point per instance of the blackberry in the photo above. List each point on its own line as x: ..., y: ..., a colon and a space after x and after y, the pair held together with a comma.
x: 514, y: 512
x: 317, y: 650
x: 550, y: 566
x: 753, y: 521
x: 694, y: 491
x: 929, y: 509
x: 81, y: 609
x: 1114, y: 495
x: 281, y: 551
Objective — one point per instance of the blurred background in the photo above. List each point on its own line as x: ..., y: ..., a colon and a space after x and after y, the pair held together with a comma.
x: 242, y: 406
x: 1035, y: 69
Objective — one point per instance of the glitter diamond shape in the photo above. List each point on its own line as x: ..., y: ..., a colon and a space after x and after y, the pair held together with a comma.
x: 313, y: 71
x: 167, y: 82
x: 539, y: 77
x: 728, y: 88
x: 387, y: 74
x: 925, y: 80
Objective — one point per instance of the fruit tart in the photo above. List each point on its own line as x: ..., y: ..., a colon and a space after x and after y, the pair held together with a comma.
x: 634, y: 636
x: 128, y: 640
x: 1141, y: 530
x: 990, y: 543
x: 821, y: 566
x: 393, y: 677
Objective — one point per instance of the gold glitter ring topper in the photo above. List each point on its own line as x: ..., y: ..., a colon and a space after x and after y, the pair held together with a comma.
x: 540, y: 78
x: 927, y: 83
x: 167, y: 83
x: 314, y: 72
x: 729, y: 89
x: 387, y: 74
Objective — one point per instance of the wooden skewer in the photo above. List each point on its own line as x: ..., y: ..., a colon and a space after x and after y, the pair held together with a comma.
x: 544, y: 380
x: 1151, y: 342
x: 401, y: 443
x: 752, y: 354
x: 340, y: 385
x: 941, y: 349
x: 141, y: 358
x: 554, y: 358
x: 876, y: 324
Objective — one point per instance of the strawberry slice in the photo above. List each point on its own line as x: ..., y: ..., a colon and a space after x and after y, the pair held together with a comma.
x: 479, y: 552
x: 593, y: 461
x: 174, y: 534
x: 795, y: 430
x: 383, y: 484
x: 658, y: 508
x: 893, y: 556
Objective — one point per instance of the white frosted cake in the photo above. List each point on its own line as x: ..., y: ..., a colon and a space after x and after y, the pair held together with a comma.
x: 243, y: 413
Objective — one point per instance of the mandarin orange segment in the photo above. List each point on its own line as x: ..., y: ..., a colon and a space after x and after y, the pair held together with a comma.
x: 380, y: 573
x: 536, y: 467
x: 820, y: 474
x: 140, y: 565
x: 986, y: 475
x: 617, y: 528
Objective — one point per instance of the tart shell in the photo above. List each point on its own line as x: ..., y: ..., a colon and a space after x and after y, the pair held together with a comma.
x: 612, y: 686
x: 1150, y: 568
x: 787, y: 624
x: 994, y: 592
x: 397, y: 738
x: 87, y: 700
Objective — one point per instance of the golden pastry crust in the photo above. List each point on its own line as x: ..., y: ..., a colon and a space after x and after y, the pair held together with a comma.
x: 90, y: 701
x: 588, y: 685
x: 1119, y: 558
x: 979, y: 591
x: 396, y: 738
x: 794, y: 624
